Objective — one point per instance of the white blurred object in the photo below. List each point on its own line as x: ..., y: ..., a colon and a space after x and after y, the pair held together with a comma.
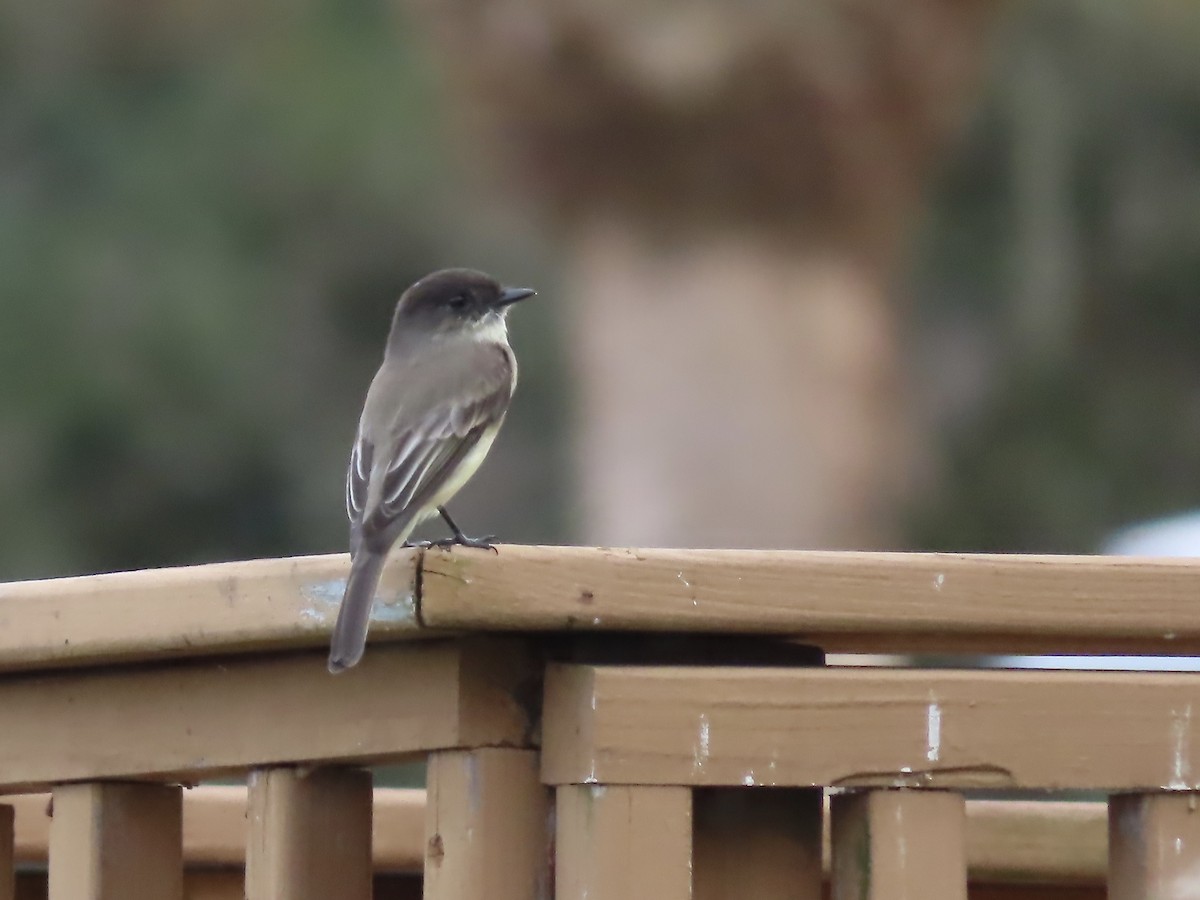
x: 1174, y: 536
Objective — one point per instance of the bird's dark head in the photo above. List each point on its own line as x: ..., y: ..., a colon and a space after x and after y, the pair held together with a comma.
x: 455, y: 301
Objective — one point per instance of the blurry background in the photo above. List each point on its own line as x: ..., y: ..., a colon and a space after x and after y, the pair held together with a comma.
x: 848, y: 273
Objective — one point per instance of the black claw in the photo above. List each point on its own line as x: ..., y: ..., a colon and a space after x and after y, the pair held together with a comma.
x: 480, y: 543
x: 460, y: 539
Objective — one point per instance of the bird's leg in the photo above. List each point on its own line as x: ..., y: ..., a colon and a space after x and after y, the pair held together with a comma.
x: 459, y: 539
x: 481, y: 543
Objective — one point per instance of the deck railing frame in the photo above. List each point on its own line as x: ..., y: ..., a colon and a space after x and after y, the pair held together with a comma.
x: 563, y: 765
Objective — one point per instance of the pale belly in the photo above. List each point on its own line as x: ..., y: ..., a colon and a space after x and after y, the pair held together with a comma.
x: 470, y: 465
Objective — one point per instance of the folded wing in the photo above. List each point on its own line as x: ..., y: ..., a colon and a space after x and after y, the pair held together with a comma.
x: 425, y: 442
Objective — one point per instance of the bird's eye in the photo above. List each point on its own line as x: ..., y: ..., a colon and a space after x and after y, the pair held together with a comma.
x: 458, y: 302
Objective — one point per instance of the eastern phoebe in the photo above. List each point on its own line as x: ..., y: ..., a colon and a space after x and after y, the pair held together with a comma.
x: 430, y: 417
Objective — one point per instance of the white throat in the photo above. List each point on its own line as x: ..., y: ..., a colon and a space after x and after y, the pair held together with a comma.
x: 491, y: 329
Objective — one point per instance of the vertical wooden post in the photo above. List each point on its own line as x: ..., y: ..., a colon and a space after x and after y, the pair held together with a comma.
x: 310, y: 835
x: 757, y: 842
x: 116, y: 842
x: 8, y: 872
x: 899, y: 844
x: 1154, y: 846
x: 618, y: 842
x: 487, y: 826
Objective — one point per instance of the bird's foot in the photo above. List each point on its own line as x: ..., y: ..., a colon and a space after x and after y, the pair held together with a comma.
x: 459, y: 540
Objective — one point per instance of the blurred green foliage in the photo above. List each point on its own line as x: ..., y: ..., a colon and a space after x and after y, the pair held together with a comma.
x: 206, y: 214
x: 1060, y: 272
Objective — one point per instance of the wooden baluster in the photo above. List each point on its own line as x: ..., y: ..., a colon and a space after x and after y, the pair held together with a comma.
x: 111, y: 841
x: 310, y: 834
x: 899, y: 844
x: 1154, y: 846
x: 619, y: 842
x: 487, y: 826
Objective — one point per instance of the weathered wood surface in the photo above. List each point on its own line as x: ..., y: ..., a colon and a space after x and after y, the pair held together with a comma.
x: 116, y: 842
x: 309, y: 834
x: 192, y: 611
x: 616, y: 842
x: 1010, y: 841
x: 897, y: 845
x: 840, y: 601
x: 488, y: 829
x: 870, y: 727
x: 215, y: 827
x: 192, y: 720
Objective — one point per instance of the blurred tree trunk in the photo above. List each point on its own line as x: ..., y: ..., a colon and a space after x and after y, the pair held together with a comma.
x: 735, y: 185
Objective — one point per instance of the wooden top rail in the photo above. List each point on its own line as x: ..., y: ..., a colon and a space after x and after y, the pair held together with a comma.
x: 851, y: 601
x: 269, y: 604
x: 868, y: 602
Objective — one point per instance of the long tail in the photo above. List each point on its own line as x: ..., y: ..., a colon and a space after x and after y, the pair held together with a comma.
x: 350, y: 632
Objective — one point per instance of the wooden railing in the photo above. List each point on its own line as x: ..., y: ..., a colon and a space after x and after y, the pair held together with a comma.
x: 606, y: 724
x: 1014, y: 843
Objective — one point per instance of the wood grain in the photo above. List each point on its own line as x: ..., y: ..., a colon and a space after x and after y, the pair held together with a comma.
x: 853, y: 728
x: 840, y: 601
x: 192, y: 611
x: 186, y: 721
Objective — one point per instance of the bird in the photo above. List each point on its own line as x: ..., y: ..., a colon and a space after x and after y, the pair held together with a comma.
x: 431, y: 414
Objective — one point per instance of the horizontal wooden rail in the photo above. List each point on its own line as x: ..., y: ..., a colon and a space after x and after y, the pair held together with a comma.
x: 863, y: 602
x: 871, y: 727
x: 838, y: 600
x: 1037, y: 841
x: 196, y: 719
x: 237, y: 607
x: 1033, y: 842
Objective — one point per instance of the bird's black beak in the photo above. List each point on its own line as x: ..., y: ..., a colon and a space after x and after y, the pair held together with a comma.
x: 509, y: 296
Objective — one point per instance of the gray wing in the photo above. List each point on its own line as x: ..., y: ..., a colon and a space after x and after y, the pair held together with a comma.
x: 426, y: 453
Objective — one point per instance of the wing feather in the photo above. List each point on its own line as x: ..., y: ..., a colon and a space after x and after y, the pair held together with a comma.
x: 357, y: 476
x: 435, y: 447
